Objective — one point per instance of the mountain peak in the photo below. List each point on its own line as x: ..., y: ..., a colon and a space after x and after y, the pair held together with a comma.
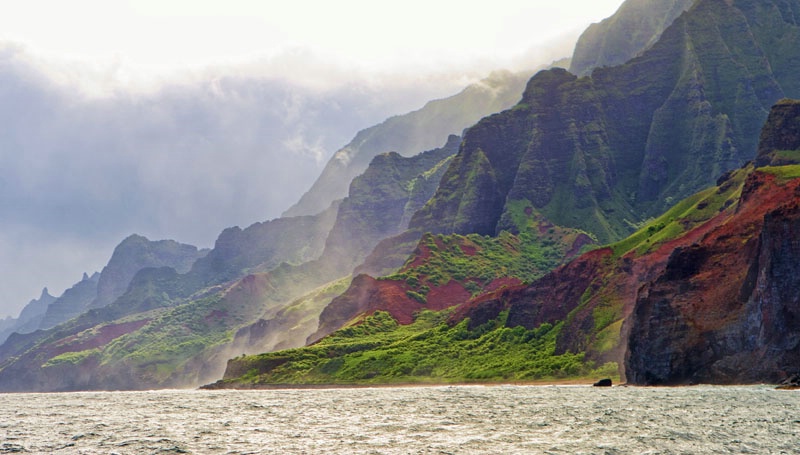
x: 45, y: 293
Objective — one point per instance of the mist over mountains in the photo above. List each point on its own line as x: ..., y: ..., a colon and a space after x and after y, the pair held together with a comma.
x: 182, y: 159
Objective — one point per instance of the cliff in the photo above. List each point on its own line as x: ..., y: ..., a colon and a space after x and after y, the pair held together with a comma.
x: 73, y: 302
x: 706, y: 292
x: 409, y: 134
x: 725, y: 309
x: 603, y: 152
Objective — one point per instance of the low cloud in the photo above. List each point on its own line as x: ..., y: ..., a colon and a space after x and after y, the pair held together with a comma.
x: 88, y: 157
x: 92, y: 153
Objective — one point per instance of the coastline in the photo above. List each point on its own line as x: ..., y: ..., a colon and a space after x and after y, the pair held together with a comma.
x: 542, y: 383
x: 538, y: 383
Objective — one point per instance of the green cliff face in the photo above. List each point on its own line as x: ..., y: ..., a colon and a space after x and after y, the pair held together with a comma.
x: 602, y: 153
x: 409, y: 134
x: 382, y: 199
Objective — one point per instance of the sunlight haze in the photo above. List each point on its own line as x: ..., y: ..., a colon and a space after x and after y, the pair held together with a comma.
x: 147, y: 38
x: 177, y: 119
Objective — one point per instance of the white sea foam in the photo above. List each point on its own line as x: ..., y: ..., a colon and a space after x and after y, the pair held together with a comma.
x: 424, y: 420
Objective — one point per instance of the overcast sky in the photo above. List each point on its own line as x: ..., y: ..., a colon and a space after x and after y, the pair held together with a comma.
x: 176, y: 119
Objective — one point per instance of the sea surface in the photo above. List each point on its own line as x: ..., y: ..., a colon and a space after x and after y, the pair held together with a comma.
x: 413, y: 420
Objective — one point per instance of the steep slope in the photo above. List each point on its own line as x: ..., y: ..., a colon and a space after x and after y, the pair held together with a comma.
x: 726, y: 308
x: 378, y: 205
x: 707, y: 292
x: 566, y: 324
x: 73, y: 302
x: 408, y: 134
x: 635, y: 26
x: 171, y: 329
x: 135, y: 253
x: 131, y: 255
x: 262, y: 247
x: 383, y: 198
x: 446, y: 271
x: 602, y: 153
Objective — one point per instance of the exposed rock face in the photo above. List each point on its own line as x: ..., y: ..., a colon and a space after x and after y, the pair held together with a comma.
x: 727, y: 308
x: 636, y: 26
x: 781, y: 135
x: 548, y: 299
x: 364, y: 295
x: 382, y: 199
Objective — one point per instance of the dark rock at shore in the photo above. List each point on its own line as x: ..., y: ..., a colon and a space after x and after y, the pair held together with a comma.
x: 790, y: 383
x: 603, y: 383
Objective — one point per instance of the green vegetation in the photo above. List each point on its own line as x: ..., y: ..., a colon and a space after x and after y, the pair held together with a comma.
x: 428, y: 351
x: 685, y: 215
x: 171, y: 338
x: 450, y: 259
x: 784, y: 173
x: 476, y: 261
x: 71, y: 358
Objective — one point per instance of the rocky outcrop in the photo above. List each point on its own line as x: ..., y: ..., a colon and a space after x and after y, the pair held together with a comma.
x: 780, y: 138
x: 726, y: 309
x: 382, y: 199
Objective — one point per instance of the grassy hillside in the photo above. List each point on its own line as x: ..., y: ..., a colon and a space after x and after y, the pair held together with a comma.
x: 575, y: 330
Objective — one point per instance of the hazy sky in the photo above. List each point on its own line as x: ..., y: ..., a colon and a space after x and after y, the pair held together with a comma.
x: 155, y: 35
x: 175, y: 119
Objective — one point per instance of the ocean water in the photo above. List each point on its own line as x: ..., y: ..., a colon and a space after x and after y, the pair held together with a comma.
x: 413, y: 420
